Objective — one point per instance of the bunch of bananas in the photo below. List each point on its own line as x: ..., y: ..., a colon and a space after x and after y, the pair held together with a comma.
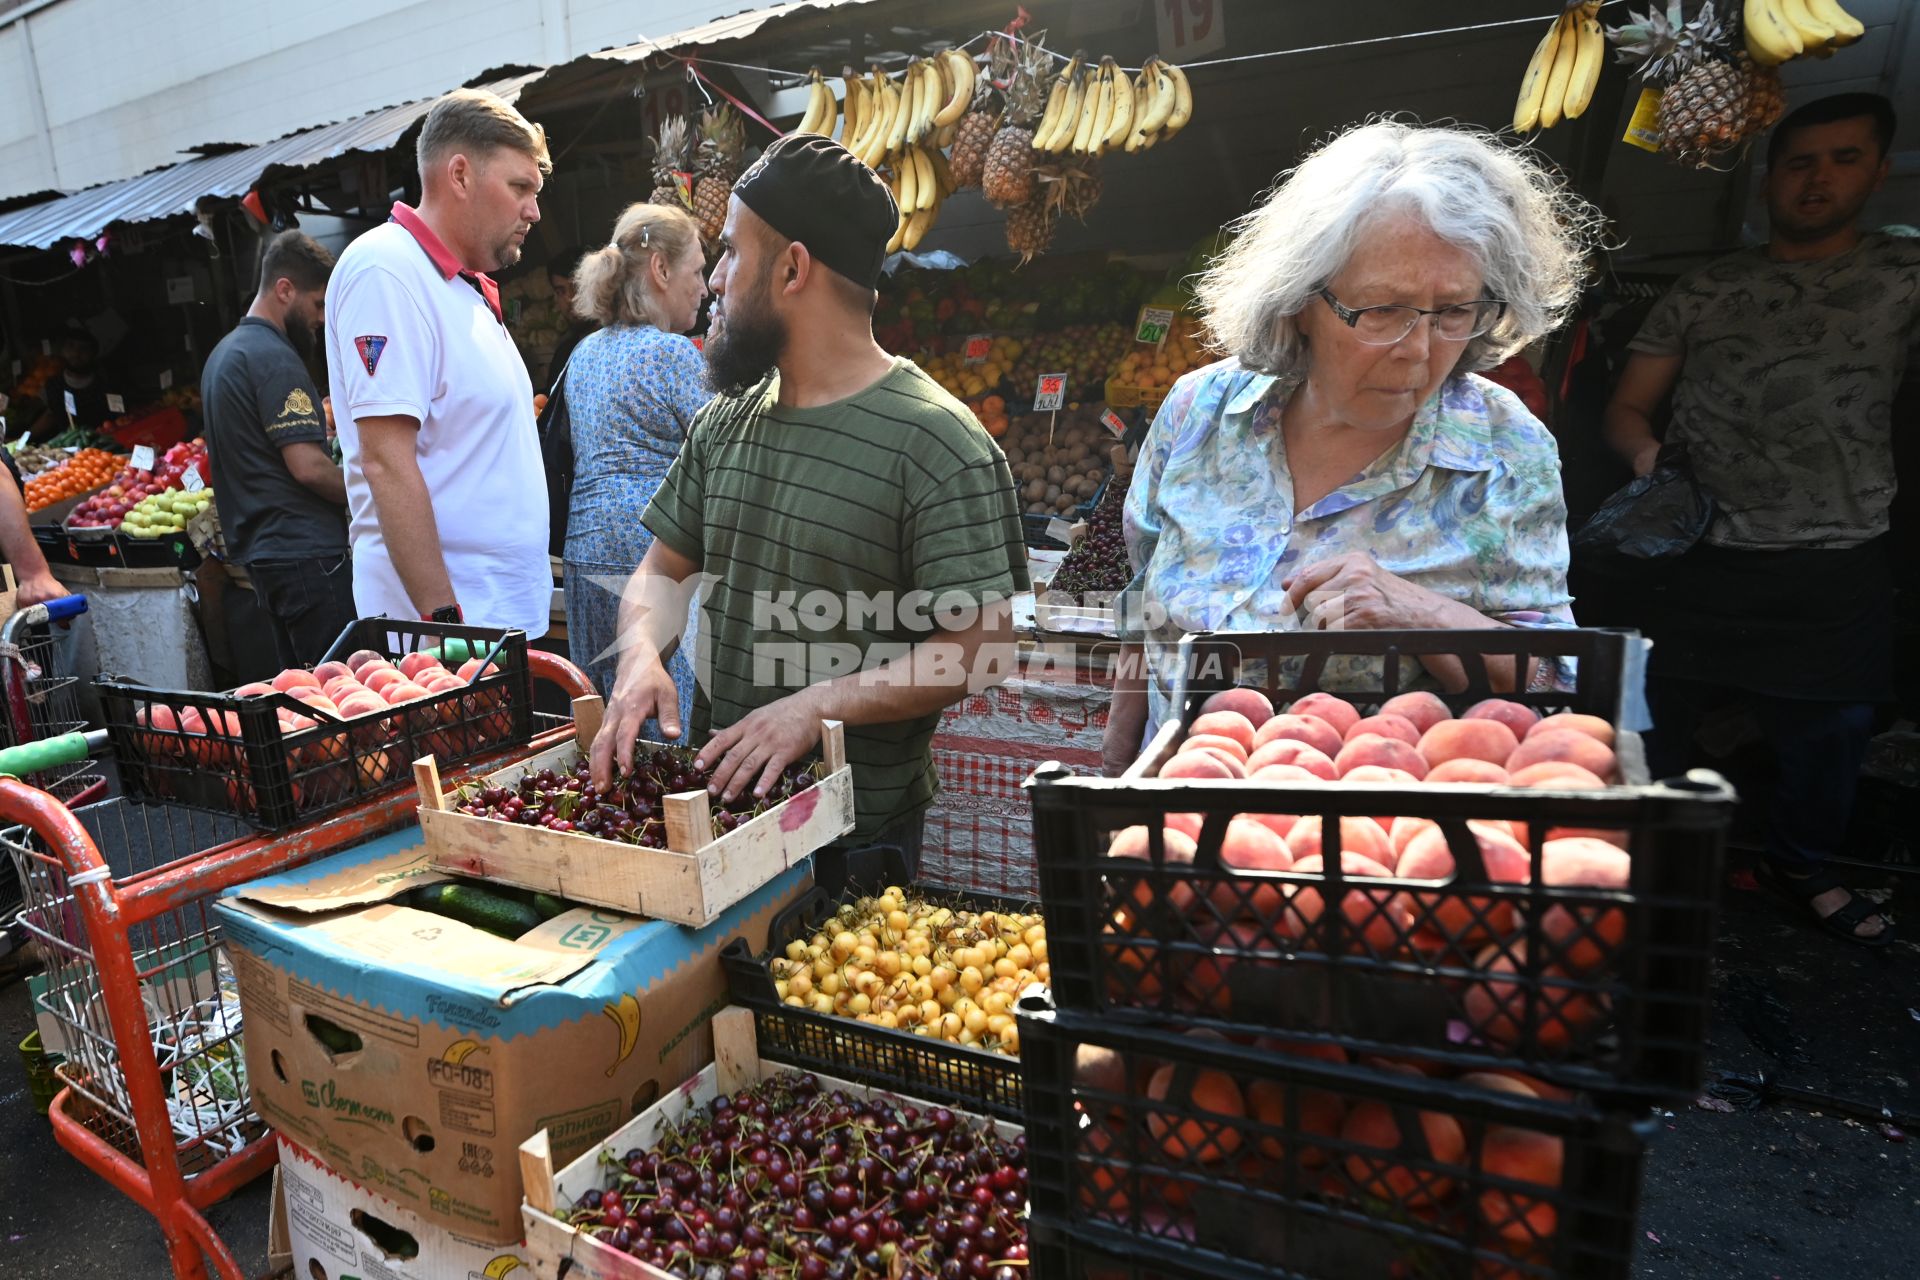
x: 1093, y: 109
x: 1780, y: 30
x: 1565, y: 68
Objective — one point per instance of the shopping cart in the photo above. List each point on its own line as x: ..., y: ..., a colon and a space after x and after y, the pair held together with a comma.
x: 40, y: 703
x: 154, y: 1094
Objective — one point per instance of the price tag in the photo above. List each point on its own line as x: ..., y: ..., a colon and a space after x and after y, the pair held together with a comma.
x: 1155, y: 324
x: 978, y: 347
x: 1188, y: 28
x: 46, y: 346
x: 1050, y: 393
x: 67, y: 398
x: 166, y: 379
x: 1112, y: 422
x: 190, y: 479
x: 1060, y: 531
x: 115, y: 404
x: 142, y: 457
x: 4, y: 402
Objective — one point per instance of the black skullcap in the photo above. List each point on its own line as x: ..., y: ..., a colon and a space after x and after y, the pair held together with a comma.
x: 811, y: 189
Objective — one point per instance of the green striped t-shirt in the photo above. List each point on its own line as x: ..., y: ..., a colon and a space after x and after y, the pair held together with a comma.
x: 814, y: 528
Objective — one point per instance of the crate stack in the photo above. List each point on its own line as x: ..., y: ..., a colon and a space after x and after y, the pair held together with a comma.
x: 1324, y: 1071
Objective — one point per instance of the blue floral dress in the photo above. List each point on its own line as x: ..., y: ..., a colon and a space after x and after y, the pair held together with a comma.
x: 631, y: 393
x: 1468, y: 506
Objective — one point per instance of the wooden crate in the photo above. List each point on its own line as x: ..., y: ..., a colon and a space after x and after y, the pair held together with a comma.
x: 691, y: 882
x: 553, y: 1245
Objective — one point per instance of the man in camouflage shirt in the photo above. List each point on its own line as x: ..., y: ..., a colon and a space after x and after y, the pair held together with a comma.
x: 1782, y: 363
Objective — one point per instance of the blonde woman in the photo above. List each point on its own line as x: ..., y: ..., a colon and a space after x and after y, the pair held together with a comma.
x: 631, y: 391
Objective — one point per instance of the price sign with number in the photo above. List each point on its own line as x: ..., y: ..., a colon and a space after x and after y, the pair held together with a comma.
x: 1050, y: 393
x: 166, y: 379
x: 1113, y: 422
x: 66, y: 398
x: 1189, y: 28
x: 190, y: 479
x: 115, y: 404
x: 1155, y: 324
x: 978, y: 348
x: 142, y: 457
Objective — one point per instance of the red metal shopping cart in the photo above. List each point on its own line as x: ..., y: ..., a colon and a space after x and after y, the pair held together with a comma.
x: 154, y: 1093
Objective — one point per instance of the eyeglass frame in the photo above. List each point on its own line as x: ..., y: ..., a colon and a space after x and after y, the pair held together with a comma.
x: 1350, y: 316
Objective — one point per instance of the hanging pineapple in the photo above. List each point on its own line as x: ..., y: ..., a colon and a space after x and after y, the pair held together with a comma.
x: 1715, y: 96
x: 670, y: 181
x: 717, y: 162
x: 1007, y: 173
x: 968, y: 161
x: 1030, y: 227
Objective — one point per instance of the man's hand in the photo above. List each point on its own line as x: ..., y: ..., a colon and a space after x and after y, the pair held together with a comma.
x: 644, y: 691
x: 1351, y: 592
x: 38, y: 588
x: 753, y: 751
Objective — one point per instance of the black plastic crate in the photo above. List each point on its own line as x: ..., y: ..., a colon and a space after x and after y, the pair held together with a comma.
x: 273, y: 778
x: 982, y: 1081
x: 1161, y: 1154
x: 1604, y: 987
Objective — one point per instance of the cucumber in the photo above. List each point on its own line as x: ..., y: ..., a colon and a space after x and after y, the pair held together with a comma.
x: 478, y: 906
x: 549, y: 906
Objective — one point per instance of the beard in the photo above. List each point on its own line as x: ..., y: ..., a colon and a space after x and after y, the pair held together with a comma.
x: 303, y: 337
x: 507, y: 254
x: 748, y: 344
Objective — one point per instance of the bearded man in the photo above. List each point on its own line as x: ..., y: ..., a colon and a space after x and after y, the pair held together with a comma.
x: 282, y: 500
x: 853, y: 525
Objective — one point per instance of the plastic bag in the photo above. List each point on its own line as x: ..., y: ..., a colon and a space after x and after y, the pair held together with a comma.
x: 1658, y: 515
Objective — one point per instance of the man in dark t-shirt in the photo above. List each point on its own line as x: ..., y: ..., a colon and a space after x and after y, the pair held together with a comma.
x: 282, y: 498
x: 77, y: 396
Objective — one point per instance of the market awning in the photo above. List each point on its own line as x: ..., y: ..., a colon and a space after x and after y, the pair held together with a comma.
x: 717, y: 31
x: 164, y: 193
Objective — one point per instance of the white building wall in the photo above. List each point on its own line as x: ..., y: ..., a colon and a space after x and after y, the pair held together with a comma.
x: 128, y: 85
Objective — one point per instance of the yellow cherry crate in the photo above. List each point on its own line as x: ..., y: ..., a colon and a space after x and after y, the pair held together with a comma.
x: 691, y: 882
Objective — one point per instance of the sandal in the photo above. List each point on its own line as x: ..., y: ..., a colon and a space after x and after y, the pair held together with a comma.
x: 1842, y: 923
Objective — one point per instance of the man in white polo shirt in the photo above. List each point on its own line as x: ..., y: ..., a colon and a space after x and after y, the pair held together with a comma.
x: 432, y: 401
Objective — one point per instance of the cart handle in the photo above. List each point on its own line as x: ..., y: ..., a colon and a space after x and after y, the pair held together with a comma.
x: 50, y: 753
x: 47, y: 611
x: 556, y: 670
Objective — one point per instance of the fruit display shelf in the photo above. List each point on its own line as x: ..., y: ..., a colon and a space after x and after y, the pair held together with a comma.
x: 1189, y: 1155
x: 275, y: 761
x: 929, y: 1066
x: 706, y: 866
x: 1565, y: 926
x: 964, y: 1175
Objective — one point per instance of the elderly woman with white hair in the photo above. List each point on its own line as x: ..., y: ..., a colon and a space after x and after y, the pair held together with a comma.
x: 1343, y: 467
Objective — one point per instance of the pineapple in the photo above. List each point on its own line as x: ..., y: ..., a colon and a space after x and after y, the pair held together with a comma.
x: 669, y: 164
x: 1714, y: 97
x: 1030, y: 228
x: 717, y: 163
x: 968, y: 162
x: 1006, y: 176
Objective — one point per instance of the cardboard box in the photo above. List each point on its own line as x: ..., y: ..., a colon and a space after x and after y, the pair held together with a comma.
x: 338, y: 1231
x: 412, y: 1054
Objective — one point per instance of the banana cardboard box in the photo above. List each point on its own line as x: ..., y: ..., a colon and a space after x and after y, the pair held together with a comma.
x: 412, y: 1053
x: 337, y: 1231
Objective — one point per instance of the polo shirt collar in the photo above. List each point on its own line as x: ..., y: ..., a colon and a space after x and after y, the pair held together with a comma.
x: 442, y: 257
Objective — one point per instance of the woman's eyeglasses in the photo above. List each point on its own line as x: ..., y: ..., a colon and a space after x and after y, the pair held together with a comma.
x: 1384, y: 326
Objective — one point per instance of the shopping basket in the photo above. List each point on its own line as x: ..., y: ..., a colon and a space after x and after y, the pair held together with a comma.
x: 40, y: 703
x: 154, y: 1095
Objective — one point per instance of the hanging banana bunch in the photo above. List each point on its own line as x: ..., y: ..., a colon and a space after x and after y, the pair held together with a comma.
x: 1778, y: 31
x: 1565, y: 67
x: 823, y: 109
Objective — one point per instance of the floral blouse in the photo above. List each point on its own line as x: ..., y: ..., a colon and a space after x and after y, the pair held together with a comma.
x: 1468, y: 506
x: 631, y: 391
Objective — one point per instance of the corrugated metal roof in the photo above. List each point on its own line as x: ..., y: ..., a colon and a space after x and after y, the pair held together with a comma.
x: 173, y: 190
x: 719, y: 30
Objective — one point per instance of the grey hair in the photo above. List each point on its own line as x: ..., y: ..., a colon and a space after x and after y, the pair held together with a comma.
x: 1499, y: 202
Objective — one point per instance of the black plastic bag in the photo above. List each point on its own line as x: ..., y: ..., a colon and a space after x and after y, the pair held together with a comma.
x: 1655, y: 516
x: 556, y: 458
